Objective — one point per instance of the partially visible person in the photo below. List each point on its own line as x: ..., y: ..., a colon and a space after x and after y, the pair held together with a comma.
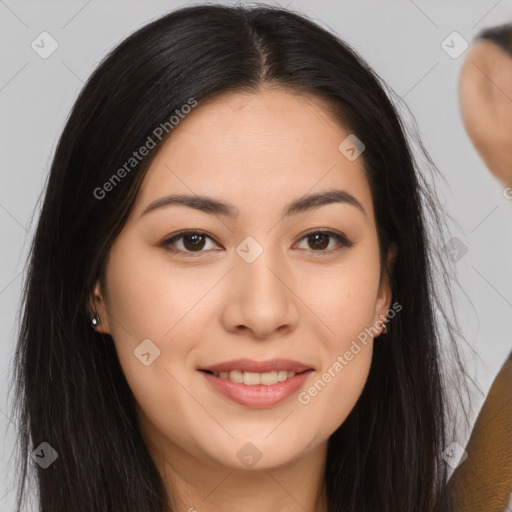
x: 485, y: 92
x: 483, y: 482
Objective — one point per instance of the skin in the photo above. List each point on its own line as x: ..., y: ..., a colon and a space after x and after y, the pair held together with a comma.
x: 258, y: 152
x: 485, y: 93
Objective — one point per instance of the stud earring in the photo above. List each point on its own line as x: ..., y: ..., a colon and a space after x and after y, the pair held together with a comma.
x: 95, y: 321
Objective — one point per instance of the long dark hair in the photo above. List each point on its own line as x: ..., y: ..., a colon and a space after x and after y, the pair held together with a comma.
x: 70, y: 389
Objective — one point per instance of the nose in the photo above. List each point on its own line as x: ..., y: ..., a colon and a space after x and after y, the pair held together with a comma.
x: 260, y: 298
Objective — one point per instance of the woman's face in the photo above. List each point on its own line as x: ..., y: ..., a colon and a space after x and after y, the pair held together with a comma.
x: 258, y: 285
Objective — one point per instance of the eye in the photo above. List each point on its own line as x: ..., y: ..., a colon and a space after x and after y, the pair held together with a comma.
x: 193, y: 242
x: 318, y: 241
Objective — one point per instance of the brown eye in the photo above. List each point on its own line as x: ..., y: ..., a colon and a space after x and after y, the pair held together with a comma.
x: 191, y: 242
x: 318, y: 241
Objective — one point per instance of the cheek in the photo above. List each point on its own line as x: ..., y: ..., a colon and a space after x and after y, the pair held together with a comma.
x: 343, y: 296
x: 344, y: 300
x: 149, y: 299
x: 337, y: 387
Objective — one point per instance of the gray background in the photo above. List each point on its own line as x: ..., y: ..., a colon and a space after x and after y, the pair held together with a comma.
x: 400, y: 39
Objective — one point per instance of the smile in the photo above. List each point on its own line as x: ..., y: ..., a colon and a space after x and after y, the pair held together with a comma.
x: 256, y: 390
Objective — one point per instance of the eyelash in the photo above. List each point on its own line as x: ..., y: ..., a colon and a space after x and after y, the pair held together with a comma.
x: 342, y: 240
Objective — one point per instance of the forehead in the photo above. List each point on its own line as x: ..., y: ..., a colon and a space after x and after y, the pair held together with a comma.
x: 489, y: 53
x: 486, y: 89
x: 260, y: 149
x: 487, y: 65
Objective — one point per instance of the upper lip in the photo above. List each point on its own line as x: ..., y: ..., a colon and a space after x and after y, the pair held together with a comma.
x: 250, y: 365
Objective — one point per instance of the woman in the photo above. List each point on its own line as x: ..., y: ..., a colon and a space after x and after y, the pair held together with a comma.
x: 231, y: 301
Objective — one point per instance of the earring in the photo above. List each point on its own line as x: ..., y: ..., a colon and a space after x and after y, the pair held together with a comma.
x: 95, y: 321
x: 385, y: 328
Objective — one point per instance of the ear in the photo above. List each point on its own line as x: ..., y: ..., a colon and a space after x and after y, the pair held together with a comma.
x: 385, y: 292
x: 97, y: 307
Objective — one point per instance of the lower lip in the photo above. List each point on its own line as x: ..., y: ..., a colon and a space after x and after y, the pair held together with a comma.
x: 258, y: 396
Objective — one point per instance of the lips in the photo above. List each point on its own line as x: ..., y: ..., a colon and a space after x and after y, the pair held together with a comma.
x: 257, y: 396
x: 250, y: 365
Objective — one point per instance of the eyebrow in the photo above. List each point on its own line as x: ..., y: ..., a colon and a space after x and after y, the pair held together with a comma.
x: 215, y: 207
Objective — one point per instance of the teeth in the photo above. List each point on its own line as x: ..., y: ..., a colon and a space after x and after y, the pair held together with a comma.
x: 253, y: 379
